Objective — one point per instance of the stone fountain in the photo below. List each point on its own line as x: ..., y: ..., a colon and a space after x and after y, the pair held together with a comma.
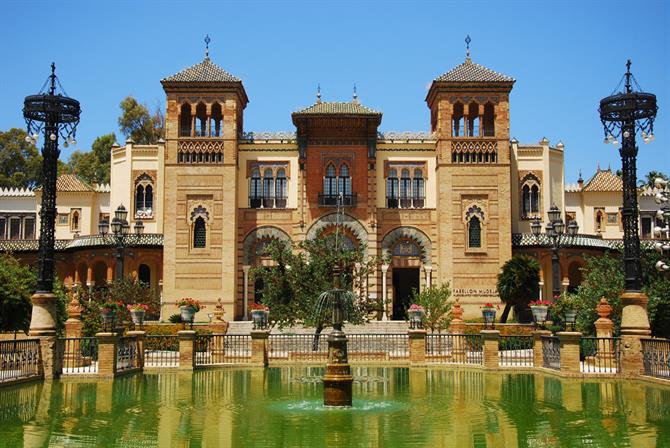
x: 338, y: 379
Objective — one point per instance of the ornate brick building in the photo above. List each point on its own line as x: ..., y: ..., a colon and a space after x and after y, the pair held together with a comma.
x: 452, y: 204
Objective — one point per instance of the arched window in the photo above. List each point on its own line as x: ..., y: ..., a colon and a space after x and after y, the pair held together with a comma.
x: 255, y: 192
x: 344, y: 181
x: 201, y: 120
x: 474, y: 232
x: 600, y: 218
x: 199, y: 233
x: 268, y: 188
x: 144, y: 274
x: 139, y: 198
x: 144, y: 196
x: 525, y: 200
x: 392, y: 189
x: 215, y: 120
x: 280, y: 189
x: 535, y: 199
x: 185, y: 120
x: 74, y: 223
x: 418, y: 189
x: 488, y: 121
x: 457, y: 120
x: 330, y: 185
x: 530, y: 197
x: 473, y: 119
x: 405, y: 189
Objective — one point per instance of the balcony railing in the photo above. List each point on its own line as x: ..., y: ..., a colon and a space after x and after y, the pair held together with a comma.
x: 267, y: 202
x: 408, y: 202
x: 332, y: 200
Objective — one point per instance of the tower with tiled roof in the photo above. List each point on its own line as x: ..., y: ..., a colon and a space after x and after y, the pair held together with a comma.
x: 204, y: 118
x: 469, y: 109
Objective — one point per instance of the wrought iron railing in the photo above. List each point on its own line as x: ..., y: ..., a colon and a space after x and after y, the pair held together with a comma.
x: 127, y: 354
x: 551, y: 352
x: 161, y: 351
x: 515, y: 351
x: 19, y: 359
x: 599, y: 355
x: 447, y: 348
x: 656, y: 357
x: 78, y: 355
x: 217, y: 349
x: 371, y: 347
x: 332, y: 200
x: 304, y: 347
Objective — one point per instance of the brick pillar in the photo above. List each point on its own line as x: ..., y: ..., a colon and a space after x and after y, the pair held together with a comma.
x: 140, y: 346
x: 259, y: 347
x: 186, y: 349
x: 491, y: 337
x: 634, y: 327
x: 569, y: 351
x: 417, y: 346
x: 538, y: 356
x: 107, y: 347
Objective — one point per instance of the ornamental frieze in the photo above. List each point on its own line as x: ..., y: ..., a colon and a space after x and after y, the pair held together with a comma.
x: 200, y: 146
x: 475, y: 146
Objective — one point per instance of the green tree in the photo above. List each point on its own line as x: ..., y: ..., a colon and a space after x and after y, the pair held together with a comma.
x: 295, y: 280
x: 20, y: 161
x: 518, y: 284
x: 650, y: 177
x: 138, y: 123
x: 93, y: 165
x: 436, y: 304
x: 17, y: 283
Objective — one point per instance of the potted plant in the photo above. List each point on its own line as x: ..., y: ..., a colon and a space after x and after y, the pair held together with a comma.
x: 416, y: 313
x: 259, y: 315
x: 540, y: 309
x: 188, y: 307
x: 489, y: 313
x: 567, y: 306
x: 137, y: 312
x: 109, y: 311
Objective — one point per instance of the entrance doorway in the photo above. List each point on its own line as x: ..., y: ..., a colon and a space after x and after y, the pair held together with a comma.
x: 404, y: 281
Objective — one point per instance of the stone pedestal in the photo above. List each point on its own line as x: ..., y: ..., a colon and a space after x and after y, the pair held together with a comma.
x: 491, y: 338
x: 569, y: 341
x: 186, y: 349
x: 417, y: 346
x: 634, y: 327
x: 338, y: 380
x: 140, y: 346
x: 43, y: 326
x: 107, y: 348
x: 259, y: 347
x: 538, y: 355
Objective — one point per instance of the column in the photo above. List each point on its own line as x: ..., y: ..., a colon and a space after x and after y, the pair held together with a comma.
x: 569, y: 351
x: 186, y: 349
x: 259, y: 350
x: 208, y: 112
x: 385, y: 268
x: 417, y: 346
x: 89, y: 276
x: 634, y: 327
x: 428, y: 268
x: 110, y: 273
x: 245, y: 272
x: 491, y: 348
x: 107, y: 347
x: 192, y: 120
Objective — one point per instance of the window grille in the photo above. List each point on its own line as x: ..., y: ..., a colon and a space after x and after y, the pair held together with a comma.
x: 474, y: 233
x: 199, y: 233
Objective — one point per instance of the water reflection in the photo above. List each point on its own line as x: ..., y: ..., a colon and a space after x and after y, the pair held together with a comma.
x: 279, y: 407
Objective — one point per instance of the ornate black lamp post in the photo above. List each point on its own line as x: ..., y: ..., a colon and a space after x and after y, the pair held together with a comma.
x: 555, y: 231
x: 50, y: 113
x: 120, y: 232
x: 622, y: 114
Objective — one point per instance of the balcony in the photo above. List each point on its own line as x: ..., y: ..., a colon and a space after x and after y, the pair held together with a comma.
x: 331, y: 200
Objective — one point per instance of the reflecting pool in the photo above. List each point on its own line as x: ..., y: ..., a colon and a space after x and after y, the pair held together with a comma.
x: 281, y: 407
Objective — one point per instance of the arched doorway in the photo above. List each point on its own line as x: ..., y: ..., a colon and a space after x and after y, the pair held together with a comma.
x: 575, y: 276
x: 144, y: 274
x: 100, y: 273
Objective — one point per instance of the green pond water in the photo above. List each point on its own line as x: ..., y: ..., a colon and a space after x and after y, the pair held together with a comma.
x: 281, y: 407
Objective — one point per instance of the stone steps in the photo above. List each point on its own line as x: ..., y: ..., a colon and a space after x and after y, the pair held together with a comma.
x: 376, y: 327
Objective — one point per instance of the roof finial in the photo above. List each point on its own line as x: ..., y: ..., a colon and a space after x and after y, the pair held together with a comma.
x: 207, y: 41
x: 580, y: 174
x: 52, y: 89
x: 467, y: 47
x: 355, y: 96
x: 318, y: 94
x: 628, y: 75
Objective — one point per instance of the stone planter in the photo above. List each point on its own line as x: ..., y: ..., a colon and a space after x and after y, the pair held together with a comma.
x: 259, y: 319
x: 539, y: 313
x: 415, y: 319
x: 187, y: 314
x: 108, y: 317
x: 570, y: 318
x: 489, y: 315
x: 138, y: 317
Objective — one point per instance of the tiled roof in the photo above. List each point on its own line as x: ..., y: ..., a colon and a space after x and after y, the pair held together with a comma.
x: 468, y: 71
x: 542, y: 240
x: 205, y: 71
x: 72, y: 182
x: 278, y: 135
x: 132, y: 240
x: 407, y: 135
x: 16, y: 192
x: 604, y: 180
x: 344, y: 108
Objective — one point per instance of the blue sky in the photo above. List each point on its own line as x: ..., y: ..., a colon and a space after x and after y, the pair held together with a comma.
x: 565, y: 56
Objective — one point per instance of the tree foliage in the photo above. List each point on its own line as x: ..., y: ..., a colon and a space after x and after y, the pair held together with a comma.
x: 436, y: 304
x: 138, y: 123
x: 20, y: 161
x: 518, y: 284
x: 295, y: 279
x: 93, y: 165
x: 650, y: 177
x: 17, y: 283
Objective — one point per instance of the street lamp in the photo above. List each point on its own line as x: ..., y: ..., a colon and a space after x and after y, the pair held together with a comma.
x: 622, y: 114
x: 120, y: 231
x: 555, y: 231
x: 53, y: 114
